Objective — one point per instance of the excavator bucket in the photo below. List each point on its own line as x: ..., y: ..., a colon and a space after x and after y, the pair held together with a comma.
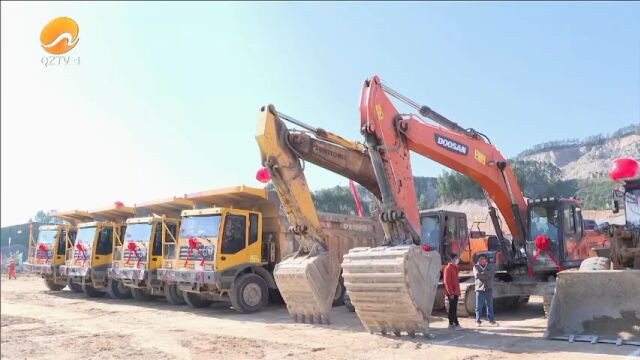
x: 308, y: 285
x: 392, y: 288
x: 596, y: 306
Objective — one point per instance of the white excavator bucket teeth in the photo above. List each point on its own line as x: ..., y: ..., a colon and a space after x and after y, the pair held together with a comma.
x: 308, y: 285
x: 392, y: 288
x: 599, y: 305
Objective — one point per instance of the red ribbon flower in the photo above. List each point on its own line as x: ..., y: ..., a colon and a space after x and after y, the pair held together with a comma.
x: 194, y: 245
x: 542, y: 243
x: 133, y: 248
x: 43, y: 250
x: 84, y: 253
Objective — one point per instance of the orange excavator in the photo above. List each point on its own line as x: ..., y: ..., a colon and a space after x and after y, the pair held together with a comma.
x: 392, y: 287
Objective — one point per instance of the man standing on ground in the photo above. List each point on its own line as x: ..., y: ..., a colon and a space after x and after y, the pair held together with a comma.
x: 452, y: 290
x: 483, y: 273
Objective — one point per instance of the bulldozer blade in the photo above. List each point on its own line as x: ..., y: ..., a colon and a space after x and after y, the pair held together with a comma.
x: 392, y: 288
x: 596, y: 306
x: 307, y: 285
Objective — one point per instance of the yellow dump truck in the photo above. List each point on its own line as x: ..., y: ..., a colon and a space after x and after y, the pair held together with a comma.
x: 148, y: 240
x: 228, y: 247
x: 47, y: 253
x: 87, y: 263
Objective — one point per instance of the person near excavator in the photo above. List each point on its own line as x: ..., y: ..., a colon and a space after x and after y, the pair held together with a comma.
x: 483, y: 273
x: 452, y: 289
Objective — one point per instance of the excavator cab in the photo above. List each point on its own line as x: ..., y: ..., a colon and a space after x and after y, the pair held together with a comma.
x: 560, y: 220
x: 445, y: 232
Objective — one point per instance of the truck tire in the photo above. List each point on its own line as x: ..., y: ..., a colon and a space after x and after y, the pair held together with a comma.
x: 348, y: 304
x: 173, y: 295
x: 117, y: 290
x: 51, y: 285
x: 469, y: 302
x: 75, y: 287
x: 338, y: 298
x: 196, y: 300
x: 595, y: 263
x: 90, y: 291
x: 141, y: 294
x: 275, y: 297
x: 249, y: 293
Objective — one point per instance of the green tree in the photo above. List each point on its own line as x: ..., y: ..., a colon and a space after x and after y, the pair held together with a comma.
x: 45, y: 217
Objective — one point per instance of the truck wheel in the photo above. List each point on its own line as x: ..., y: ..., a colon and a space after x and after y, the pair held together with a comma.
x: 51, y: 285
x: 173, y: 295
x: 338, y: 298
x: 75, y: 287
x: 141, y: 294
x: 90, y: 291
x: 595, y: 263
x: 117, y: 290
x: 275, y: 297
x: 470, y: 301
x: 249, y: 293
x: 196, y: 300
x: 348, y: 304
x: 440, y: 300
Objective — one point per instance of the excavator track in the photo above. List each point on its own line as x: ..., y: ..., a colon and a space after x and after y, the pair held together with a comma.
x: 307, y: 285
x: 392, y: 288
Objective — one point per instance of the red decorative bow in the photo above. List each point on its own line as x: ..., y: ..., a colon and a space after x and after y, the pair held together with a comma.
x: 84, y: 253
x: 43, y: 250
x: 542, y: 243
x: 194, y: 245
x: 133, y: 248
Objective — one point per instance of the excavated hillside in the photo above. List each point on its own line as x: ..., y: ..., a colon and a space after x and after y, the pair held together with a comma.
x: 588, y: 162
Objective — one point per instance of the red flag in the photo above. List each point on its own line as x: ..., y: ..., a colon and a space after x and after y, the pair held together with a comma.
x: 354, y: 191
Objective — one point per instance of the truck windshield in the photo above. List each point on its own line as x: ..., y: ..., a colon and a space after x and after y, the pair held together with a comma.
x: 200, y: 226
x: 544, y: 221
x: 430, y: 231
x: 138, y: 232
x: 86, y: 235
x: 632, y: 208
x: 47, y: 236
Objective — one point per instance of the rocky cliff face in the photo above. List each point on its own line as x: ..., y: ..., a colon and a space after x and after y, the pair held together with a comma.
x: 587, y: 162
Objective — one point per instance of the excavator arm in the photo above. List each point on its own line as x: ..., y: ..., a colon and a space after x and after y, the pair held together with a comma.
x: 390, y: 136
x: 308, y: 279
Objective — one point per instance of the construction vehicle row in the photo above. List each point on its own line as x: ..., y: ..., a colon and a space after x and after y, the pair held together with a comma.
x: 245, y: 245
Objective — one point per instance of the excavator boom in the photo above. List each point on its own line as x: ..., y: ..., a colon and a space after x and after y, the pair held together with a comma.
x: 308, y: 279
x: 394, y: 135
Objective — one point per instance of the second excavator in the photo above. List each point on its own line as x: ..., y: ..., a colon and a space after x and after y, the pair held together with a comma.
x: 392, y: 287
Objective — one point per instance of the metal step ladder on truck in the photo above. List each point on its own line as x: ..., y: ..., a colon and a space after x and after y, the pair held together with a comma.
x: 149, y: 240
x: 48, y: 252
x: 87, y: 263
x: 228, y: 247
x: 601, y: 301
x: 524, y: 266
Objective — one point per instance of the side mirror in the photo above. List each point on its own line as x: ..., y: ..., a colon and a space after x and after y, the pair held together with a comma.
x: 615, y: 206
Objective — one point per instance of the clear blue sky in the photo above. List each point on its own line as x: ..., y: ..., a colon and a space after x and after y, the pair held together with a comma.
x: 168, y: 93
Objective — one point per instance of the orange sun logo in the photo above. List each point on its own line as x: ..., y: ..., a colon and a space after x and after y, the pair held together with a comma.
x: 59, y: 36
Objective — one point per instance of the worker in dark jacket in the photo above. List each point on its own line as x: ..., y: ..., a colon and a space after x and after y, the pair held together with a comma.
x: 452, y: 289
x: 483, y: 273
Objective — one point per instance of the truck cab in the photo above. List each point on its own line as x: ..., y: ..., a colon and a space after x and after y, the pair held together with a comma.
x: 561, y: 221
x: 87, y: 263
x: 225, y: 253
x: 140, y: 254
x: 47, y: 253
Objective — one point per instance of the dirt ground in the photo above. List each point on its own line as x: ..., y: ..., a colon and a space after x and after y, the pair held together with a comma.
x: 38, y: 324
